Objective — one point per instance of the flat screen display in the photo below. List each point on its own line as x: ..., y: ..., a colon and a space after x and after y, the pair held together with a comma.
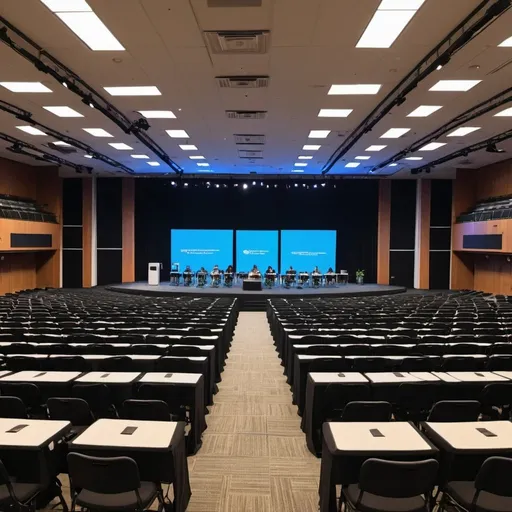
x: 306, y: 249
x: 257, y: 248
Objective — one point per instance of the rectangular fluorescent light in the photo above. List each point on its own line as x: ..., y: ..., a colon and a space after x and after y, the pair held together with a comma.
x: 432, y: 146
x: 67, y: 5
x: 30, y: 130
x: 310, y: 147
x: 375, y: 148
x: 188, y: 147
x: 177, y: 134
x: 395, y: 133
x: 121, y: 146
x: 143, y: 90
x: 414, y: 158
x: 354, y: 89
x: 61, y: 143
x: 157, y: 114
x: 362, y: 158
x: 454, y: 85
x: 335, y: 112
x: 203, y: 164
x: 305, y: 157
x: 504, y: 113
x: 140, y: 157
x: 353, y: 164
x: 392, y: 165
x: 196, y: 157
x: 154, y: 164
x: 319, y: 134
x: 297, y: 170
x: 63, y: 111
x: 424, y: 110
x: 463, y: 131
x: 97, y: 132
x: 25, y: 86
x: 400, y: 5
x: 507, y: 43
x: 384, y: 28
x: 91, y: 30
x: 87, y: 156
x: 300, y: 164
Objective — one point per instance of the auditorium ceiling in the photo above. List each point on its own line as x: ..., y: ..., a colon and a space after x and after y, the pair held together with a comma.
x: 240, y: 86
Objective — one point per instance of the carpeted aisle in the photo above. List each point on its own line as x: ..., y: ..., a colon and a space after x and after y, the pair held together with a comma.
x: 254, y: 456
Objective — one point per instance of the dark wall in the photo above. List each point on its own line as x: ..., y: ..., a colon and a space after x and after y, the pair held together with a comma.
x: 72, y: 233
x: 351, y: 209
x: 109, y: 230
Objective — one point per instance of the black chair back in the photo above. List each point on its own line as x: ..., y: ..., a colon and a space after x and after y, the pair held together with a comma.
x: 74, y: 410
x: 328, y: 365
x: 97, y: 397
x: 116, y: 364
x: 151, y: 410
x: 12, y: 407
x: 447, y: 411
x: 494, y: 477
x: 498, y: 394
x: 499, y: 363
x: 66, y: 363
x: 167, y: 393
x: 186, y: 351
x: 23, y: 363
x: 393, y: 479
x: 367, y: 411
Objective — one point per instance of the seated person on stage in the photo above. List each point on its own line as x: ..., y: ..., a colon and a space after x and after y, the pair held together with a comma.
x: 330, y: 276
x: 270, y: 277
x: 317, y: 276
x: 255, y: 273
x: 201, y: 276
x: 228, y: 276
x: 290, y: 277
x: 187, y: 276
x: 303, y: 277
x: 215, y: 275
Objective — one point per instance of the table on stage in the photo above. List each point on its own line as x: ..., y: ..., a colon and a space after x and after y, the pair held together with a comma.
x: 347, y: 445
x: 158, y: 448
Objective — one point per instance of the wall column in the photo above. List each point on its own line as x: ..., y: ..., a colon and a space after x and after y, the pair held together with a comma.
x: 89, y: 232
x: 383, y: 231
x: 422, y: 241
x: 128, y: 207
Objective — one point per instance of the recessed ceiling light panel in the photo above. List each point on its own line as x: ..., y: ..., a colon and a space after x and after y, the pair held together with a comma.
x: 121, y: 146
x: 310, y: 147
x: 188, y: 147
x: 300, y: 164
x: 507, y: 43
x: 144, y: 90
x: 424, y: 110
x: 335, y: 112
x: 504, y: 113
x: 353, y: 164
x: 97, y: 132
x: 177, y: 134
x: 384, y: 28
x: 63, y: 111
x: 363, y: 158
x: 432, y: 146
x: 140, y: 157
x: 196, y: 157
x: 454, y: 85
x: 353, y: 89
x: 67, y: 5
x: 30, y: 130
x: 302, y: 157
x: 157, y: 114
x: 375, y: 148
x: 414, y: 158
x: 395, y: 133
x: 319, y: 134
x: 463, y: 131
x: 153, y: 164
x: 25, y: 87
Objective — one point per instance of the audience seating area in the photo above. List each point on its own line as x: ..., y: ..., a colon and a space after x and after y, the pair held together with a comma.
x: 18, y: 208
x: 493, y: 208
x: 83, y: 366
x: 406, y: 398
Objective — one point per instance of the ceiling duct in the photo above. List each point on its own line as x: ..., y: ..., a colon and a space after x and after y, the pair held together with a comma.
x: 237, y: 41
x: 246, y: 114
x: 249, y: 139
x: 242, y: 82
x: 251, y: 154
x: 234, y: 3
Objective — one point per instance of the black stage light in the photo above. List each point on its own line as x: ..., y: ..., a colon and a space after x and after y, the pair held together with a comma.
x: 492, y: 148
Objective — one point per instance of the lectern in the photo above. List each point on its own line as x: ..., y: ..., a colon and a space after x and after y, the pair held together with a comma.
x: 154, y: 273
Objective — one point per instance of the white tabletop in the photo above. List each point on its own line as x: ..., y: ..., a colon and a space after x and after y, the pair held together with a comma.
x: 41, y: 376
x: 84, y: 356
x: 107, y: 433
x: 445, y: 377
x: 477, y: 377
x: 424, y: 376
x: 474, y: 356
x: 37, y: 432
x: 398, y: 436
x: 109, y: 377
x: 192, y: 358
x: 507, y: 375
x: 36, y: 356
x: 336, y: 377
x: 3, y: 373
x: 465, y: 436
x: 202, y: 347
x: 307, y: 357
x: 170, y: 378
x: 391, y: 378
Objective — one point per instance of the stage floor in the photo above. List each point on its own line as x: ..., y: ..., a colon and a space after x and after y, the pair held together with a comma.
x: 345, y: 290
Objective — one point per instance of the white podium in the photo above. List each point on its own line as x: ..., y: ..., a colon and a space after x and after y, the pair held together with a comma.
x: 154, y: 273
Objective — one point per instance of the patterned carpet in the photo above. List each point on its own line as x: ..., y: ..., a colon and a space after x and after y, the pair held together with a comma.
x: 254, y: 456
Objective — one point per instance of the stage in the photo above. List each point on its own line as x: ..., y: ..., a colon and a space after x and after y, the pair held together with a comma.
x: 341, y: 290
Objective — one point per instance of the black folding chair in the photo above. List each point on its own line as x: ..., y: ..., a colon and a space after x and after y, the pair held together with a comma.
x: 28, y: 393
x: 386, y: 486
x: 490, y: 492
x: 496, y: 399
x: 367, y: 411
x: 17, y: 496
x: 12, y: 407
x: 151, y: 410
x: 414, y: 400
x: 448, y: 411
x: 116, y: 364
x: 109, y: 483
x: 167, y: 393
x: 98, y: 398
x: 74, y: 410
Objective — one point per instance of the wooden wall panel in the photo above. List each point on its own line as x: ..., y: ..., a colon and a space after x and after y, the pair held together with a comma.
x: 493, y: 180
x: 424, y: 192
x: 491, y: 227
x: 128, y: 208
x: 18, y: 179
x: 383, y: 232
x: 87, y: 228
x: 493, y: 274
x: 8, y: 226
x: 17, y: 272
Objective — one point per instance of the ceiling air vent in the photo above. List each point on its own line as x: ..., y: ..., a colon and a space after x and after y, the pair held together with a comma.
x: 249, y: 139
x: 234, y: 3
x: 65, y: 150
x: 243, y: 153
x: 238, y: 41
x: 246, y: 114
x: 242, y: 82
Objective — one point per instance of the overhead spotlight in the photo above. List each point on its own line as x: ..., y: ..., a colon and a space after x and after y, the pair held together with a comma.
x: 217, y: 185
x: 141, y: 124
x: 185, y: 184
x: 314, y: 186
x: 323, y: 184
x: 254, y: 183
x: 492, y: 148
x: 442, y: 61
x: 207, y: 183
x: 400, y: 100
x: 303, y: 185
x: 65, y: 84
x: 465, y: 152
x: 173, y: 183
x: 296, y: 185
x: 261, y: 183
x: 88, y: 101
x: 415, y: 171
x: 427, y: 170
x: 244, y: 186
x: 275, y: 186
x: 268, y: 186
x: 235, y: 185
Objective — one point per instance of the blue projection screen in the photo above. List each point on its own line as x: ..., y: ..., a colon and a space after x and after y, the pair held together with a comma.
x: 202, y: 248
x: 303, y: 250
x: 256, y: 248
